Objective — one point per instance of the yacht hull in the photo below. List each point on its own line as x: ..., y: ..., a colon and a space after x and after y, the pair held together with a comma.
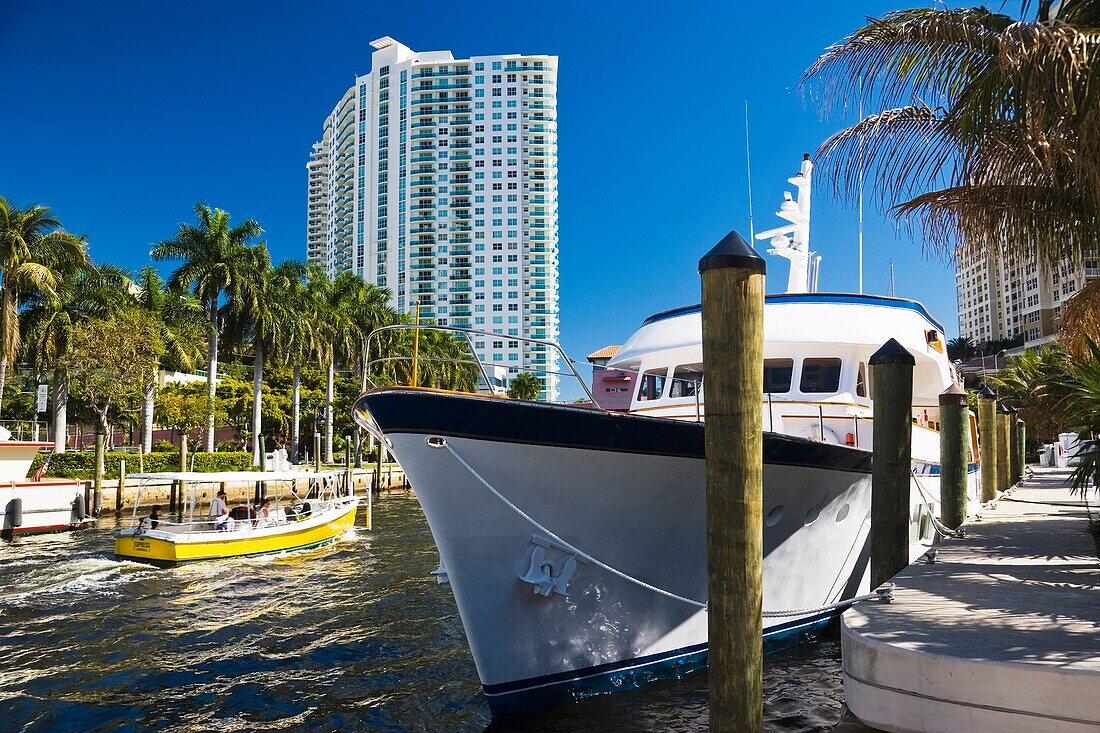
x: 575, y: 540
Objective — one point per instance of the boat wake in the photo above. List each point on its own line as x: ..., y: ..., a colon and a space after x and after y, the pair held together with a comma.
x: 79, y: 577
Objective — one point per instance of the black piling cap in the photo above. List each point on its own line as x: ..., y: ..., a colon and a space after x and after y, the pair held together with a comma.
x: 953, y: 395
x: 1003, y: 409
x: 892, y: 353
x: 733, y: 251
x: 987, y: 392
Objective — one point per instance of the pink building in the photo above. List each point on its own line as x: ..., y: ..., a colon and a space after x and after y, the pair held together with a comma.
x: 610, y: 387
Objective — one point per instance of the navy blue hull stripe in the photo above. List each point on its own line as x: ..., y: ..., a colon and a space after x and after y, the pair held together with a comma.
x: 650, y: 659
x: 536, y: 423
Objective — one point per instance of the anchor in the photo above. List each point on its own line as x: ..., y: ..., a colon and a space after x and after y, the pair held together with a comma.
x: 548, y: 576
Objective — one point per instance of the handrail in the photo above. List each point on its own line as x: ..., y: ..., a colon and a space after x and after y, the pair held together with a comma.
x: 469, y: 333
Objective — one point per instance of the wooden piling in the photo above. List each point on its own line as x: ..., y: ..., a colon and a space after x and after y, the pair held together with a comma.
x: 1004, y: 446
x: 954, y: 424
x: 892, y: 461
x: 347, y: 465
x: 1016, y: 459
x: 258, y: 494
x: 987, y: 428
x: 1021, y: 429
x: 121, y: 486
x: 317, y: 452
x: 97, y: 492
x: 733, y: 351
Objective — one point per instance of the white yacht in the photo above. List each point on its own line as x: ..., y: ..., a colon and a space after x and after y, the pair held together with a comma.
x: 574, y: 539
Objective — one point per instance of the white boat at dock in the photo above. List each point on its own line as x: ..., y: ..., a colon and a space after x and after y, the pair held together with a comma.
x: 574, y: 539
x: 36, y: 507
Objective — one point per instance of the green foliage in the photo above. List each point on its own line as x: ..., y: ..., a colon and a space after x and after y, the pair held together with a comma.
x: 983, y: 129
x: 81, y: 464
x: 163, y: 446
x: 109, y: 360
x: 182, y: 409
x: 1038, y: 384
x: 524, y: 386
x: 1057, y: 393
x: 960, y: 347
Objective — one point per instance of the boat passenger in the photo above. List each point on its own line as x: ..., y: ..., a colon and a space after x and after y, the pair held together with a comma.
x: 154, y: 516
x: 263, y: 514
x: 219, y: 511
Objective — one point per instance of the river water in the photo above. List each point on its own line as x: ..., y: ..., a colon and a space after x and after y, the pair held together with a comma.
x: 352, y: 637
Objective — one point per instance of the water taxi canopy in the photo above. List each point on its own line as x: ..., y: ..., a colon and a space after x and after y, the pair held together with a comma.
x: 219, y: 477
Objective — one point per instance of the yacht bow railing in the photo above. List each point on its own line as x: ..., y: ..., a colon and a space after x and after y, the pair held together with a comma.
x: 468, y: 334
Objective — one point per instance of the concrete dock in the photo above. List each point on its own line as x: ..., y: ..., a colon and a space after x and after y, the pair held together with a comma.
x: 1001, y: 634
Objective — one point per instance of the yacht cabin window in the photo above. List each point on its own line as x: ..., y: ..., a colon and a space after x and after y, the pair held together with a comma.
x: 777, y: 375
x: 687, y: 380
x: 861, y: 381
x: 820, y: 375
x: 651, y: 384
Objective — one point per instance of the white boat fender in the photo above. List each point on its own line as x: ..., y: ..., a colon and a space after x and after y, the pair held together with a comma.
x: 14, y: 513
x: 80, y: 511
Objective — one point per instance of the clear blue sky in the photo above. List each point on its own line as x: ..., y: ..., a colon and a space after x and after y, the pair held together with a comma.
x: 122, y: 115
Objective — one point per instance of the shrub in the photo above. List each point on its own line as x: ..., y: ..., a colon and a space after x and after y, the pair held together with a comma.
x: 81, y: 464
x: 163, y: 446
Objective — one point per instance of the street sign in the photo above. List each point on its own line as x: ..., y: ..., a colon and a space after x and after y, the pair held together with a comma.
x: 42, y: 395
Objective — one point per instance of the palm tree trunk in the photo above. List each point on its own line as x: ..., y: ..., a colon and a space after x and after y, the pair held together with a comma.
x: 329, y: 388
x: 147, y: 415
x: 257, y: 401
x: 211, y: 375
x: 296, y: 413
x: 60, y: 409
x: 9, y: 333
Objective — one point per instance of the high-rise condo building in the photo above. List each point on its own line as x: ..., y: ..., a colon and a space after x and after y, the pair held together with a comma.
x: 436, y: 178
x: 1001, y: 298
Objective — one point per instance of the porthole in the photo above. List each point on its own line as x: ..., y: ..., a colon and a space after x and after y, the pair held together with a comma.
x: 434, y: 441
x: 774, y: 516
x: 812, y: 514
x: 843, y: 513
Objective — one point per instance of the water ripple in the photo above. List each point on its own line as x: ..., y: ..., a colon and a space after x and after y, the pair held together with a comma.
x: 353, y: 637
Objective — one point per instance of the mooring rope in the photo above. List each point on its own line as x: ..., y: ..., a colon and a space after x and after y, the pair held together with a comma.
x: 942, y: 528
x: 579, y: 553
x: 885, y: 593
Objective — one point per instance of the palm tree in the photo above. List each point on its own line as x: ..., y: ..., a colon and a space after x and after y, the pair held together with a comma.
x: 34, y: 252
x: 372, y: 311
x: 988, y: 138
x: 296, y: 336
x: 336, y: 302
x: 255, y: 318
x: 524, y: 386
x: 49, y: 321
x: 216, y: 261
x: 960, y: 347
x: 264, y: 318
x: 180, y: 319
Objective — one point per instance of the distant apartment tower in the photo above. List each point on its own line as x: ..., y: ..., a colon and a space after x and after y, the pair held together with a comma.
x: 1004, y: 297
x: 436, y: 177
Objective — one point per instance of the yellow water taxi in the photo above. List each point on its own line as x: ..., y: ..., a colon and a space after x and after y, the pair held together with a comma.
x: 299, y: 510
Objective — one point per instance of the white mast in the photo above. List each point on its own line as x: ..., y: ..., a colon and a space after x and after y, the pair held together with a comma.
x: 748, y: 169
x: 793, y: 240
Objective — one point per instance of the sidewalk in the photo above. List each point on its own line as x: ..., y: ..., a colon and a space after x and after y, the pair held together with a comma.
x: 1001, y: 634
